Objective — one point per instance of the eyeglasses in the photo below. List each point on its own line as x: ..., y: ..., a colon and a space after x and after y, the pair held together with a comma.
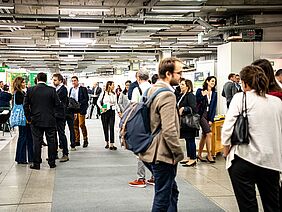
x: 180, y: 72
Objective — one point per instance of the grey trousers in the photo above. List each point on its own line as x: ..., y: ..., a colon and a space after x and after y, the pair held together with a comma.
x: 141, y: 173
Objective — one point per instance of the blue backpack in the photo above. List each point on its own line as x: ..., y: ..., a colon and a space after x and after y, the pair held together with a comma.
x: 135, y: 131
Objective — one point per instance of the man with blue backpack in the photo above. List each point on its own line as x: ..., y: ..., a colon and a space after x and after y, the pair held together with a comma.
x: 151, y: 129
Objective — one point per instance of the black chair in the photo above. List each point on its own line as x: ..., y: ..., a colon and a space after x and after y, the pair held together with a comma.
x: 4, y: 121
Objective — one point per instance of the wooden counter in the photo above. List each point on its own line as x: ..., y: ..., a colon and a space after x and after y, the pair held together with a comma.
x: 216, y: 146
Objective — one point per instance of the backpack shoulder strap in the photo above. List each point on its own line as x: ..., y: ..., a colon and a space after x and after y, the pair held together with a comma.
x: 152, y: 97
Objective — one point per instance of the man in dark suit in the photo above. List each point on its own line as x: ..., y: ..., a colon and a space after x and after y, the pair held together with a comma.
x: 96, y: 93
x: 39, y: 105
x: 61, y: 115
x: 79, y: 93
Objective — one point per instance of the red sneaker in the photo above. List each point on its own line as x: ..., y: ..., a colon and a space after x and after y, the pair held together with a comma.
x: 140, y: 183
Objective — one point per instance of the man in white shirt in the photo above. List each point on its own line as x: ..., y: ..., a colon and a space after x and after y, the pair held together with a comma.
x: 142, y: 79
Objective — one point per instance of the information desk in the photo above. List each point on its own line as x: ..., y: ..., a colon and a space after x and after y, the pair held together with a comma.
x: 216, y: 145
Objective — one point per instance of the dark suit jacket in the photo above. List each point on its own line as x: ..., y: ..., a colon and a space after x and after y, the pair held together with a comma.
x: 63, y: 96
x: 98, y: 91
x: 202, y: 104
x: 229, y: 90
x: 83, y: 99
x: 131, y: 88
x: 188, y: 101
x: 39, y: 105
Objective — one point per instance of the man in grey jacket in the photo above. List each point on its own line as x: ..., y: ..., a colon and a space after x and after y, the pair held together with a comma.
x: 229, y: 88
x: 165, y: 151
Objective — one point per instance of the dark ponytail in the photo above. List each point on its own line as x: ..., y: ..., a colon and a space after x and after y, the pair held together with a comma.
x: 256, y: 79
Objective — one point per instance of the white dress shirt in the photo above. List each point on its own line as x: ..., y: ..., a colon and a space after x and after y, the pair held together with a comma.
x: 265, y: 128
x: 74, y: 93
x: 136, y: 97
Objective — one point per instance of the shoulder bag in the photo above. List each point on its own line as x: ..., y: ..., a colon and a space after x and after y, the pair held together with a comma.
x: 17, y: 117
x: 240, y: 133
x: 191, y: 120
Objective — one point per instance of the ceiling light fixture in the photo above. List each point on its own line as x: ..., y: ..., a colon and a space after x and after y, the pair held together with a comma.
x: 134, y: 38
x: 86, y: 9
x: 177, y: 10
x: 7, y: 7
x: 11, y: 25
x: 200, y: 52
x: 78, y: 41
x: 124, y: 46
x: 78, y: 27
x: 21, y: 45
x: 15, y: 38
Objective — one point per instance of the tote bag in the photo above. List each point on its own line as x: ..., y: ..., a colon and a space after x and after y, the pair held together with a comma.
x: 17, y: 117
x: 191, y: 120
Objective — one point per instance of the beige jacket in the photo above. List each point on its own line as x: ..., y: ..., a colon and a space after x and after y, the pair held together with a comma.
x: 165, y: 146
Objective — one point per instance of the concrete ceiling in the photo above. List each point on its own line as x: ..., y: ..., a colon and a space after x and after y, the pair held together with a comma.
x: 92, y: 35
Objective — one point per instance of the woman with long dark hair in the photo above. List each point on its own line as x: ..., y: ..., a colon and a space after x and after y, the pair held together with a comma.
x: 206, y: 104
x: 25, y: 143
x: 260, y: 161
x: 108, y: 104
x: 123, y: 100
x: 187, y: 104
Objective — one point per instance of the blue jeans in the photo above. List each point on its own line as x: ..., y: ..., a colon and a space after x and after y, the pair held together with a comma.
x: 191, y: 148
x: 24, y: 144
x: 166, y: 191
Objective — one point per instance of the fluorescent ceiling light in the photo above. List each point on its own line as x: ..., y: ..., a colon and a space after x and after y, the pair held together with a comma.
x: 134, y: 38
x: 128, y: 43
x: 15, y: 38
x: 124, y: 46
x: 7, y: 7
x: 175, y: 11
x: 11, y: 25
x: 200, y: 52
x: 191, y: 39
x: 78, y: 41
x: 79, y: 27
x: 86, y: 9
x: 21, y: 45
x: 33, y: 55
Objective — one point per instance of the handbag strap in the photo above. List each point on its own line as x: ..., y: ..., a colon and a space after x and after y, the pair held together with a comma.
x: 244, y: 103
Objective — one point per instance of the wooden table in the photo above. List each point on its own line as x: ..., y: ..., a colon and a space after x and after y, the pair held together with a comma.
x: 216, y: 146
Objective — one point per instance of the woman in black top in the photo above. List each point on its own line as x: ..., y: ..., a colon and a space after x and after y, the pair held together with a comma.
x: 24, y: 143
x: 187, y: 104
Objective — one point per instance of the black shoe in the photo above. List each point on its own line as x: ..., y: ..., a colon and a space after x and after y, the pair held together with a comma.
x: 85, y: 144
x: 113, y: 148
x: 201, y: 159
x: 77, y: 143
x: 189, y: 165
x: 97, y: 117
x: 35, y: 166
x: 210, y: 161
x: 107, y: 146
x: 52, y: 166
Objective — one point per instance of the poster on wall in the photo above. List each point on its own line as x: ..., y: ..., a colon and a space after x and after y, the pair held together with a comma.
x: 203, y: 70
x: 13, y: 75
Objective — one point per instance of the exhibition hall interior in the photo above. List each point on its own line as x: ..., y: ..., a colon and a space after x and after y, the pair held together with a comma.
x: 97, y: 50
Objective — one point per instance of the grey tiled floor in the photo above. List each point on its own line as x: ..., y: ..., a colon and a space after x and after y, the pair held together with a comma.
x: 22, y: 189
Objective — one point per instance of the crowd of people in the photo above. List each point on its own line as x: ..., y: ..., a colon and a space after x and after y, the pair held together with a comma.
x: 47, y: 110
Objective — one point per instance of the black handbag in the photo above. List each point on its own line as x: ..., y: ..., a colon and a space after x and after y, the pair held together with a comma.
x: 240, y: 134
x: 191, y: 120
x: 73, y: 105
